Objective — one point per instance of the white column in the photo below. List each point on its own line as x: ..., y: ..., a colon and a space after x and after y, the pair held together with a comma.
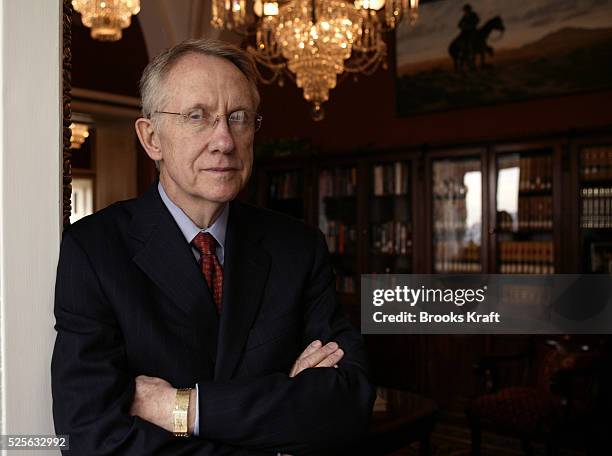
x: 30, y: 201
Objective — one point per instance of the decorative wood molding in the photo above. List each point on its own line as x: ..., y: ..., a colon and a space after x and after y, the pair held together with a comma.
x: 67, y: 113
x: 105, y: 97
x: 99, y: 110
x: 104, y: 105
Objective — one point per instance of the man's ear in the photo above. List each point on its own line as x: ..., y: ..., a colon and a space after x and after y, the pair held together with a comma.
x: 149, y: 138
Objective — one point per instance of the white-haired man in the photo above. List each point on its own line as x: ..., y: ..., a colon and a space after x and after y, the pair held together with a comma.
x: 190, y: 323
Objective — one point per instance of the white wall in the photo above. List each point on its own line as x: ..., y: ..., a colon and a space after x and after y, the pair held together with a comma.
x: 30, y: 203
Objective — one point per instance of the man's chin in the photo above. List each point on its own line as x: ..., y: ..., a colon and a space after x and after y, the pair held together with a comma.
x: 217, y: 192
x: 222, y: 197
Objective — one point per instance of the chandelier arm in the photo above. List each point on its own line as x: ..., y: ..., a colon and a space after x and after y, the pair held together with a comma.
x: 267, y: 81
x: 289, y: 74
x: 270, y: 61
x: 275, y: 74
x: 368, y: 66
x: 278, y: 69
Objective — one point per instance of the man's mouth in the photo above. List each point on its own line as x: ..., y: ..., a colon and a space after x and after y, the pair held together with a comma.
x: 221, y: 169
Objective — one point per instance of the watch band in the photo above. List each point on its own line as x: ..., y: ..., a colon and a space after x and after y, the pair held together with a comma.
x: 181, y: 408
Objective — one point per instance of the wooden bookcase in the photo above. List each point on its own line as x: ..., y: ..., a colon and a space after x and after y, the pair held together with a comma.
x: 389, y: 245
x: 283, y: 184
x: 455, y: 196
x: 513, y: 206
x: 590, y: 224
x: 503, y: 207
x: 526, y: 196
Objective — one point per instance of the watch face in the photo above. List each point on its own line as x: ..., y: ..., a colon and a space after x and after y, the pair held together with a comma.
x: 180, y: 412
x: 180, y: 422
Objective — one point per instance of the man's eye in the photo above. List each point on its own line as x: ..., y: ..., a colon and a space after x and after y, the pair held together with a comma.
x: 196, y: 115
x: 238, y: 116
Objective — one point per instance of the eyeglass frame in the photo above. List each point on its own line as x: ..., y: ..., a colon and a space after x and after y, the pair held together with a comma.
x: 258, y: 117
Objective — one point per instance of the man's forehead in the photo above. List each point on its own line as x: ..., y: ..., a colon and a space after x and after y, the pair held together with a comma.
x: 204, y: 67
x: 203, y: 78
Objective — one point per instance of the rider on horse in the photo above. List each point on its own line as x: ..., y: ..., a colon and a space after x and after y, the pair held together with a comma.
x: 468, y: 24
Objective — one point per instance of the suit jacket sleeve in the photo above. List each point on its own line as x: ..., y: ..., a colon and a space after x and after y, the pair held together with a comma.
x: 319, y: 409
x: 91, y: 385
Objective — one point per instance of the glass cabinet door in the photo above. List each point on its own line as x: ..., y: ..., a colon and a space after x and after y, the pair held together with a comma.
x: 524, y: 201
x: 338, y: 221
x: 595, y: 181
x: 390, y: 222
x: 286, y: 192
x: 457, y: 214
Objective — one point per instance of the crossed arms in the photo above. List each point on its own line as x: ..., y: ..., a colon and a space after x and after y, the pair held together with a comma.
x: 306, y: 411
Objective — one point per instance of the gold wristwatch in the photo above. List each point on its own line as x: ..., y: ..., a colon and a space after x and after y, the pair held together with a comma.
x: 180, y: 412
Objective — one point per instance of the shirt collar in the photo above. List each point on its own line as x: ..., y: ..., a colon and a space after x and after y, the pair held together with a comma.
x: 190, y: 229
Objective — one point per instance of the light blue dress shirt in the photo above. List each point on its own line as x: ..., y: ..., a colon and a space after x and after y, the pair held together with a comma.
x: 190, y: 230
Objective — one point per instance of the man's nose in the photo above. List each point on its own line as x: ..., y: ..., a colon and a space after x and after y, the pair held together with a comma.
x: 221, y: 139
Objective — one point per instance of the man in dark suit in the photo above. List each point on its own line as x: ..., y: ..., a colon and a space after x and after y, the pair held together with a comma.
x: 189, y: 323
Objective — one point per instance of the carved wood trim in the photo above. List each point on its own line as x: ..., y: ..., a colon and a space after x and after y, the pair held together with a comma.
x: 67, y: 112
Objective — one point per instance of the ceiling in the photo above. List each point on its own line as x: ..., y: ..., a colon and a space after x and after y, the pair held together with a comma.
x: 165, y: 23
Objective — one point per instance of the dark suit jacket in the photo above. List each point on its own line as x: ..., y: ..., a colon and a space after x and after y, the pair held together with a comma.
x: 130, y: 300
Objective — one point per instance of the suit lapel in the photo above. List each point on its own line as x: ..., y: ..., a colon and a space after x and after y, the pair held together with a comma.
x: 245, y: 273
x: 166, y: 258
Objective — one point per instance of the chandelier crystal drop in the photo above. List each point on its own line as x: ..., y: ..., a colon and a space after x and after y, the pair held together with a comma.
x: 314, y: 42
x: 107, y: 18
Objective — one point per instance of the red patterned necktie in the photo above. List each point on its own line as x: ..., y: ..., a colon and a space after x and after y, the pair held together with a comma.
x: 210, y: 265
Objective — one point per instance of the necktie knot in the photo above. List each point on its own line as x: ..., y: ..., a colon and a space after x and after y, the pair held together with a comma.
x: 205, y: 243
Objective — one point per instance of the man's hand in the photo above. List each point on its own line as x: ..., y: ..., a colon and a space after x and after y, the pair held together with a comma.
x: 316, y: 355
x: 154, y: 397
x: 154, y: 400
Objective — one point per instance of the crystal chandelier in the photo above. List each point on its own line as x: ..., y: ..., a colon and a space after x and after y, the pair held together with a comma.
x: 314, y: 42
x: 106, y: 18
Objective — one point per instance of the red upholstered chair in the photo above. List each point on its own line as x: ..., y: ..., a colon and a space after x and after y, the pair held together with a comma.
x: 558, y: 396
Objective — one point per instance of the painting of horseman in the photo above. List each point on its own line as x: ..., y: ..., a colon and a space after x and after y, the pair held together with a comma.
x: 486, y: 52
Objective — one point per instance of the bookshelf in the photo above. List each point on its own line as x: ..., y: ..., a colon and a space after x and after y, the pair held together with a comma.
x: 524, y: 203
x: 521, y: 206
x: 456, y: 212
x: 286, y: 192
x: 338, y: 208
x: 595, y: 206
x: 390, y: 218
x: 539, y: 206
x: 283, y: 184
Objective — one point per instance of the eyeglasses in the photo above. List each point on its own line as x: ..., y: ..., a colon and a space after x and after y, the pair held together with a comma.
x: 241, y: 121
